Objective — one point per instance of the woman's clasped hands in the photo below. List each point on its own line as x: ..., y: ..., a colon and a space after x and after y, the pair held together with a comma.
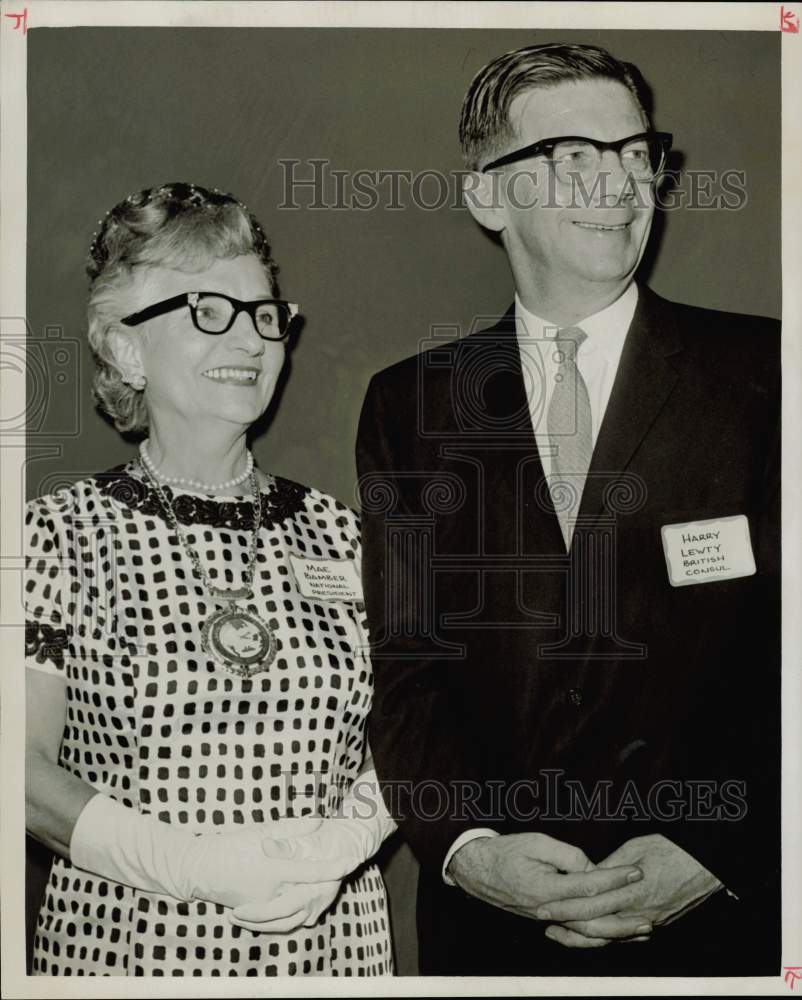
x: 273, y: 884
x: 311, y: 864
x: 254, y: 866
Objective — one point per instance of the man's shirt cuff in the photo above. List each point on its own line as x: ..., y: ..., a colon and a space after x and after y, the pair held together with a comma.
x: 463, y: 839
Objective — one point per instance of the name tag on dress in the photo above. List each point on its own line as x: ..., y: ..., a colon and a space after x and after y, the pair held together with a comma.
x: 706, y: 551
x: 327, y: 579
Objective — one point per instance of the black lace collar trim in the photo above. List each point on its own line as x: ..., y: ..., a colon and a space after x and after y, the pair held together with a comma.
x: 282, y: 500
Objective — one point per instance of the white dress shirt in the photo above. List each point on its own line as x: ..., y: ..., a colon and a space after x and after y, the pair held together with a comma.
x: 597, y: 360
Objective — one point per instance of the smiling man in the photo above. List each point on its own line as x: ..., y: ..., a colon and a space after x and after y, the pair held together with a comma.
x: 576, y: 716
x: 573, y: 222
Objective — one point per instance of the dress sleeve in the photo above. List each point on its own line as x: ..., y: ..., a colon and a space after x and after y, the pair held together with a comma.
x: 47, y: 633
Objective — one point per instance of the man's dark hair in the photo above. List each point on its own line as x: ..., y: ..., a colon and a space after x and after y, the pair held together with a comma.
x: 485, y: 129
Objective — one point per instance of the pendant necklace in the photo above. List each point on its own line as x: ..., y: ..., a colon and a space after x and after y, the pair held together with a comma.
x: 234, y: 637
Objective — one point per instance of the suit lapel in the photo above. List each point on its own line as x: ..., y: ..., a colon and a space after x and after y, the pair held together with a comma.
x: 645, y: 379
x: 514, y: 471
x: 495, y: 378
x: 643, y: 383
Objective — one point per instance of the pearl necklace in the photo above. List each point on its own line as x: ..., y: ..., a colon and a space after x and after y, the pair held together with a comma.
x: 193, y: 484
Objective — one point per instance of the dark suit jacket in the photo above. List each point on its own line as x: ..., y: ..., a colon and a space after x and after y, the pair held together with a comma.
x: 524, y: 688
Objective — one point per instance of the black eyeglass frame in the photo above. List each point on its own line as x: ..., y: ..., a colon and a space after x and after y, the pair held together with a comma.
x: 545, y: 147
x: 193, y: 299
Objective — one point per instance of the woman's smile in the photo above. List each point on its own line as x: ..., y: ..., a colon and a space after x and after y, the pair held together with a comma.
x: 233, y: 375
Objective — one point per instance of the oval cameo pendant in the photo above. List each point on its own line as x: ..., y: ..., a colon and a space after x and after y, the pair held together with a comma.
x: 239, y: 641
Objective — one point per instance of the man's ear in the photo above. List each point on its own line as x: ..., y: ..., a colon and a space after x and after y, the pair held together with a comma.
x: 483, y: 196
x: 126, y: 351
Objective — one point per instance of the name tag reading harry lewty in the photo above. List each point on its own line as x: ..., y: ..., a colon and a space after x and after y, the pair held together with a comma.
x: 706, y: 551
x: 327, y: 579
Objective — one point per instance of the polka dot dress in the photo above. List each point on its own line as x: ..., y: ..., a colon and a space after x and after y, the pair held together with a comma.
x: 115, y: 607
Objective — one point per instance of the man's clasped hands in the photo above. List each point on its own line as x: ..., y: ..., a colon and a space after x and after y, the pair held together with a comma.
x: 647, y: 882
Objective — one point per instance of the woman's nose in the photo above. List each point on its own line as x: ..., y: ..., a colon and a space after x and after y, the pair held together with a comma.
x: 243, y: 332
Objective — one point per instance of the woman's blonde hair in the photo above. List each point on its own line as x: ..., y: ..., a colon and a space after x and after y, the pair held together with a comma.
x: 179, y: 226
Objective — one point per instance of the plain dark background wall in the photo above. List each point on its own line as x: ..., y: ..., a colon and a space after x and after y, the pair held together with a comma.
x: 115, y: 110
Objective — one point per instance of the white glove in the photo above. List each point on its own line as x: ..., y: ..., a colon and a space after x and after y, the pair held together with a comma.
x: 354, y: 835
x: 300, y: 906
x: 135, y: 849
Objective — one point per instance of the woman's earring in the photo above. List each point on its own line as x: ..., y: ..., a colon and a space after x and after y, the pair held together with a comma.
x: 136, y: 381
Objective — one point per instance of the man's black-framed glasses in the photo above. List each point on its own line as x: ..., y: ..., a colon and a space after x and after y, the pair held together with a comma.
x: 215, y: 313
x: 641, y: 155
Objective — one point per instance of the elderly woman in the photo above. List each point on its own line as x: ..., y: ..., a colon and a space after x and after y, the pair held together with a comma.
x: 199, y: 678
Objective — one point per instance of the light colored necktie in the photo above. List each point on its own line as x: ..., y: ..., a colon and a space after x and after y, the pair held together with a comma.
x: 570, y: 428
